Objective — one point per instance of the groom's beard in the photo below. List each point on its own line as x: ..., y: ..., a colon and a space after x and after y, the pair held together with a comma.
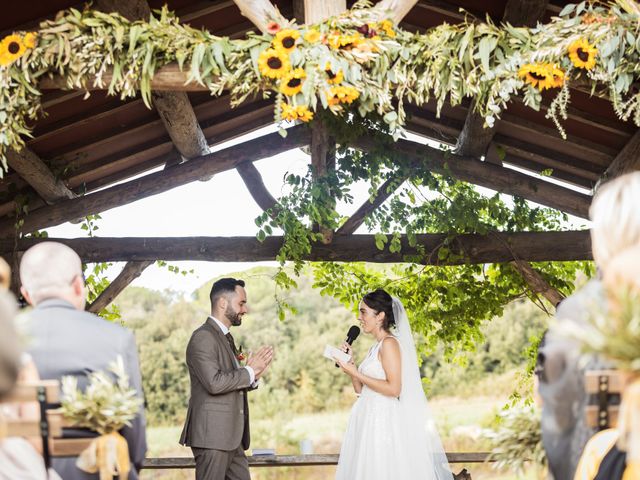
x: 234, y: 317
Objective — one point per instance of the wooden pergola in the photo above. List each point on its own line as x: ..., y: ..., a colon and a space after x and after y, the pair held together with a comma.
x: 84, y: 149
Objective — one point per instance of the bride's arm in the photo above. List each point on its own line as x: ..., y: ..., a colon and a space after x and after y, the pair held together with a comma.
x: 357, y: 384
x: 391, y: 363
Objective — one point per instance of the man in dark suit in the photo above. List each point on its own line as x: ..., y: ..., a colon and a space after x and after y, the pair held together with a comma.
x: 66, y: 340
x: 217, y: 423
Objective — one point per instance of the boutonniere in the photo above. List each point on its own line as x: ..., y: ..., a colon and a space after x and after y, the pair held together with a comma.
x: 240, y: 356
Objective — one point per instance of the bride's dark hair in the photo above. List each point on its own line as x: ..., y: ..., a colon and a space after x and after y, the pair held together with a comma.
x: 381, y: 301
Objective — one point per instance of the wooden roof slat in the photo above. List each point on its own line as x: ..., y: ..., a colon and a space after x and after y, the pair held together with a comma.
x: 627, y: 160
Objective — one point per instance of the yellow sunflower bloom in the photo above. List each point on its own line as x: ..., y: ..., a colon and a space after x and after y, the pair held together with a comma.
x: 346, y: 42
x: 11, y: 48
x: 387, y: 26
x: 285, y: 40
x: 292, y: 113
x: 583, y: 54
x: 542, y: 75
x: 30, y: 40
x: 333, y: 78
x: 312, y: 35
x: 274, y: 63
x: 292, y: 82
x: 342, y: 94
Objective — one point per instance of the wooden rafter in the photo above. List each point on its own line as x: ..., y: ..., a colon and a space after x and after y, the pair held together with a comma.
x: 312, y: 11
x: 487, y: 175
x: 37, y: 174
x: 355, y: 220
x: 152, y: 184
x: 475, y: 138
x: 174, y: 108
x: 496, y: 247
x: 260, y: 12
x: 396, y: 10
x: 256, y: 187
x: 535, y: 281
x: 628, y: 160
x: 129, y: 273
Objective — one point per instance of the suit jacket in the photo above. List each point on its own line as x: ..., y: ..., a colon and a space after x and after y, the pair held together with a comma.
x: 218, y: 412
x: 564, y: 428
x: 65, y: 341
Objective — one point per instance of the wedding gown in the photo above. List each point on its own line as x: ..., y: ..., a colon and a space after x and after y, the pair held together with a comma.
x: 390, y: 439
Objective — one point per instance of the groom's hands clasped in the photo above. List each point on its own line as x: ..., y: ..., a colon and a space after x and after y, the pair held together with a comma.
x: 260, y: 360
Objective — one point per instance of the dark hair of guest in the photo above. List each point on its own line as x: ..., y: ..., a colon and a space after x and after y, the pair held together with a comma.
x: 381, y: 301
x: 224, y: 287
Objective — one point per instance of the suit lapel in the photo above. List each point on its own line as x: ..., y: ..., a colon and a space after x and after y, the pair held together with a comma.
x: 222, y: 339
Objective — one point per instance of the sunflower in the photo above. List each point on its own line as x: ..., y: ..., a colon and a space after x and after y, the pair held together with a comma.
x: 30, y: 40
x: 292, y: 82
x: 11, y: 49
x: 333, y: 78
x: 387, y: 26
x: 346, y: 42
x: 342, y: 94
x: 542, y: 75
x: 583, y: 54
x: 312, y: 35
x: 274, y: 63
x: 286, y: 40
x: 293, y: 113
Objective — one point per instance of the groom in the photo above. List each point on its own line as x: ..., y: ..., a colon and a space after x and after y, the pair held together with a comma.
x: 217, y: 424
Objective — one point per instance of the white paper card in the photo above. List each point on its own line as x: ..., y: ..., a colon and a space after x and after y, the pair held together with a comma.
x: 332, y: 353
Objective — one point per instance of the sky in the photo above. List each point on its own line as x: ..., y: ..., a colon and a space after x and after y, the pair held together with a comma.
x: 221, y: 206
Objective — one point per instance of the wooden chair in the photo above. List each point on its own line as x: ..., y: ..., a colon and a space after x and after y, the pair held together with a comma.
x: 49, y: 427
x: 604, y: 388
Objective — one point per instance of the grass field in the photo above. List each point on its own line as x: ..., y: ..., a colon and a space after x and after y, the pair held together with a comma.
x: 460, y: 422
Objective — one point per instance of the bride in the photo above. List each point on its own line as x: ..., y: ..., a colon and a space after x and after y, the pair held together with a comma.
x: 391, y: 433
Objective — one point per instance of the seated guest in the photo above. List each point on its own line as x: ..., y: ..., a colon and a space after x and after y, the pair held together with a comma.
x: 66, y: 340
x: 614, y: 454
x: 615, y: 227
x: 18, y: 458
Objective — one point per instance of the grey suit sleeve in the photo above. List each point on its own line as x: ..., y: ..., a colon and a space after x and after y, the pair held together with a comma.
x: 135, y: 435
x: 202, y: 359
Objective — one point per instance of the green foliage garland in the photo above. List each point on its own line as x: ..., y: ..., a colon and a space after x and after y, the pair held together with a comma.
x: 379, y: 67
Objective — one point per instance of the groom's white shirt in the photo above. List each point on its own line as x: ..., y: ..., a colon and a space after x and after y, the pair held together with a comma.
x: 225, y: 330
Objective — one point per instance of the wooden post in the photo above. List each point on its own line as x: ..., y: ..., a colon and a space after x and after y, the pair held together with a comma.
x: 129, y: 273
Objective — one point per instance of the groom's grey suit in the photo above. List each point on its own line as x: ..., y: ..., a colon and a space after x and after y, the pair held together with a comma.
x: 217, y: 423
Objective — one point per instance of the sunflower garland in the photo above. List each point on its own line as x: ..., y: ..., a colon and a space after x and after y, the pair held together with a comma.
x: 274, y: 63
x: 285, y: 40
x: 292, y: 113
x: 542, y: 76
x: 342, y: 94
x: 312, y: 35
x: 12, y: 47
x: 583, y: 54
x: 333, y: 78
x: 292, y: 82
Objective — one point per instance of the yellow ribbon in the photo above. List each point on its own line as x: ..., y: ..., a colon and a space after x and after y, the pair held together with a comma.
x: 629, y: 424
x: 108, y: 454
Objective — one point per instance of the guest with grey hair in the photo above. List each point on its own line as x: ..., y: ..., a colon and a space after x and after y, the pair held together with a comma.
x: 615, y: 227
x: 66, y: 340
x: 18, y: 458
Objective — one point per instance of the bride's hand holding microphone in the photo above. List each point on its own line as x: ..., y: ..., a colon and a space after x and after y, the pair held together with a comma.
x: 348, y: 367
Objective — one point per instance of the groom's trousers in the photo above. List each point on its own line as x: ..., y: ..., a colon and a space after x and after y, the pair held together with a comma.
x: 221, y: 464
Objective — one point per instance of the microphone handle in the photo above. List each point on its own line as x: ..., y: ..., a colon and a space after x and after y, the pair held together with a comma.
x: 349, y: 342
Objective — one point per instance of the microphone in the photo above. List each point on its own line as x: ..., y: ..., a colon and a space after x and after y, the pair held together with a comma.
x: 352, y: 334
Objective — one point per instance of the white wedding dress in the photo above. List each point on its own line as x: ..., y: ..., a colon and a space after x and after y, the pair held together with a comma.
x: 390, y: 438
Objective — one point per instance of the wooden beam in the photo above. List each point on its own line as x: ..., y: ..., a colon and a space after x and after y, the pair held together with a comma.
x: 256, y: 187
x: 174, y: 108
x: 395, y: 10
x: 475, y: 138
x: 497, y: 178
x: 261, y: 13
x: 165, y: 463
x: 37, y: 174
x: 129, y: 273
x: 628, y: 160
x: 496, y: 247
x: 384, y: 192
x: 312, y: 11
x: 152, y: 184
x: 323, y: 148
x: 535, y: 281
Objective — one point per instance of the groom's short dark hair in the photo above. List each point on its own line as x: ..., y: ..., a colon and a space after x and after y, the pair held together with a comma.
x: 222, y: 287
